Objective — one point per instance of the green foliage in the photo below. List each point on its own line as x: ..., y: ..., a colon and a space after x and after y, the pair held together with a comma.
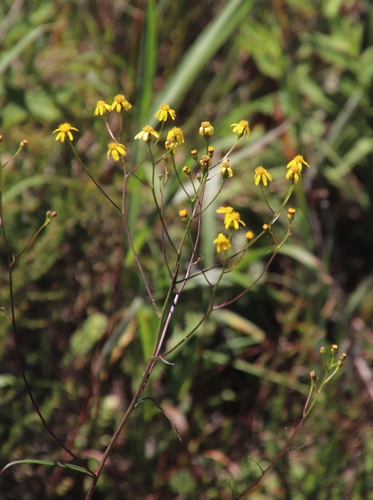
x: 301, y: 73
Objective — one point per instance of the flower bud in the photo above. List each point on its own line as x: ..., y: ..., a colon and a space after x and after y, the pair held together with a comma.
x: 225, y: 169
x: 291, y: 213
x: 183, y: 213
x: 205, y: 162
x: 206, y: 129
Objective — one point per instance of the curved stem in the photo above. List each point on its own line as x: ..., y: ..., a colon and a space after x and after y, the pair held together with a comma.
x: 92, y: 178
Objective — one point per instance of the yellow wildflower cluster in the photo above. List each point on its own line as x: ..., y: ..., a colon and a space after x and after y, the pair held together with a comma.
x: 175, y: 138
x: 231, y: 219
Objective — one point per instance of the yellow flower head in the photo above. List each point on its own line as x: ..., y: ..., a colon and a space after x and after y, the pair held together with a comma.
x: 295, y: 168
x: 119, y: 103
x: 175, y: 138
x: 101, y: 108
x: 222, y: 243
x: 164, y: 112
x: 115, y: 149
x: 294, y: 172
x: 241, y: 128
x: 64, y: 130
x: 178, y: 135
x: 297, y: 161
x: 146, y: 133
x: 206, y: 129
x: 225, y: 169
x: 261, y: 175
x: 231, y: 217
x: 210, y: 151
x: 186, y: 170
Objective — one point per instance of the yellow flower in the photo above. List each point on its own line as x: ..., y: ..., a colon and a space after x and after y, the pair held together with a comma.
x: 241, y: 128
x: 231, y: 217
x: 206, y: 129
x: 210, y: 151
x: 64, y: 130
x: 146, y: 133
x: 294, y: 171
x: 163, y: 113
x: 297, y: 161
x: 295, y: 168
x: 261, y: 175
x: 101, y: 108
x: 222, y: 243
x: 225, y: 169
x: 115, y: 149
x: 175, y: 138
x: 249, y: 235
x: 177, y: 133
x: 119, y: 103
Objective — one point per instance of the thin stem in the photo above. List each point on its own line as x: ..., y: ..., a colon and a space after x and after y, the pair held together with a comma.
x: 265, y: 198
x: 132, y: 245
x: 92, y: 178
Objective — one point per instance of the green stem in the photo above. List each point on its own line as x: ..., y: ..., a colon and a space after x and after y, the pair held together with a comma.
x: 92, y: 178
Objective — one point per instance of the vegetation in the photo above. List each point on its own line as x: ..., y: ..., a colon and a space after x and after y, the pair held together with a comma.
x: 235, y: 402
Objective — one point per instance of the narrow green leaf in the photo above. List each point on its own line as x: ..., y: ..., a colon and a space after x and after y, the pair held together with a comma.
x: 51, y: 463
x: 206, y: 45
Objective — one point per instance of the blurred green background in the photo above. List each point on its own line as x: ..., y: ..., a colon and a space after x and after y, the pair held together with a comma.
x: 301, y: 73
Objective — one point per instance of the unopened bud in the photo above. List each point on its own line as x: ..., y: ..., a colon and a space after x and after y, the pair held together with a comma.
x: 225, y: 169
x: 206, y: 129
x: 249, y: 235
x: 291, y: 213
x: 183, y: 213
x: 205, y: 162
